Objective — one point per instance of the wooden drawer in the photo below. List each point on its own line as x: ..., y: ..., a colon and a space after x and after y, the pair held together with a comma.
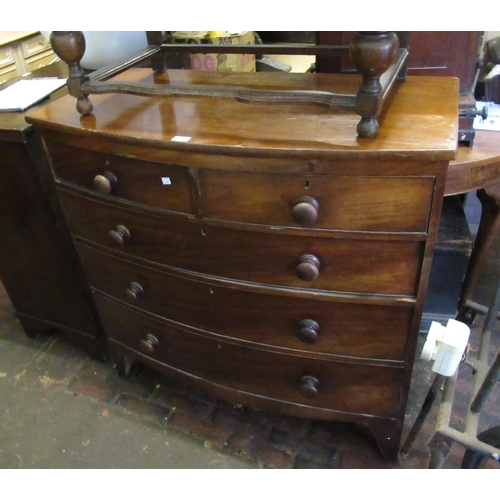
x: 344, y: 387
x: 34, y: 46
x: 394, y: 204
x: 347, y: 265
x: 358, y: 330
x: 161, y: 186
x: 7, y: 57
x: 41, y: 60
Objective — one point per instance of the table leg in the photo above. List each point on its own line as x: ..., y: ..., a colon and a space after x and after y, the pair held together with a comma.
x: 487, y: 236
x: 440, y: 449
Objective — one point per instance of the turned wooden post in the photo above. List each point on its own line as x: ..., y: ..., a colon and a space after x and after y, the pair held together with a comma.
x: 70, y: 47
x: 372, y: 52
x: 158, y: 60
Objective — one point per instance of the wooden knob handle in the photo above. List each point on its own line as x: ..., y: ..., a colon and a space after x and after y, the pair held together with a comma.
x: 309, y: 386
x: 305, y: 211
x: 134, y: 291
x: 119, y: 235
x: 106, y: 182
x: 308, y: 331
x: 308, y: 267
x: 148, y: 345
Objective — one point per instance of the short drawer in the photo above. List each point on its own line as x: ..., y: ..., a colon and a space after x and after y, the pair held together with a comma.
x: 317, y: 325
x: 345, y: 387
x: 347, y: 265
x: 393, y: 204
x: 41, y: 61
x: 7, y: 57
x: 35, y: 45
x: 161, y: 186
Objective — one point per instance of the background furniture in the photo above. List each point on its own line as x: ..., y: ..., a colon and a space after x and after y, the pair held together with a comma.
x: 478, y: 169
x: 23, y: 52
x: 38, y: 264
x: 261, y: 252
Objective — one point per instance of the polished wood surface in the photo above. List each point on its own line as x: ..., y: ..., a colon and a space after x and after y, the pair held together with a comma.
x: 266, y: 254
x: 378, y: 56
x: 475, y: 167
x: 275, y: 129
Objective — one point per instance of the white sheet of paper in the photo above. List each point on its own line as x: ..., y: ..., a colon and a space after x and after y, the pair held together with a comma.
x: 24, y: 93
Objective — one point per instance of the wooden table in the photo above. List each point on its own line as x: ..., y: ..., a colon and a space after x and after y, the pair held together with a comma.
x: 478, y: 169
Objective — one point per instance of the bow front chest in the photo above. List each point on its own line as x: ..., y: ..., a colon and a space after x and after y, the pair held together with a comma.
x: 262, y: 252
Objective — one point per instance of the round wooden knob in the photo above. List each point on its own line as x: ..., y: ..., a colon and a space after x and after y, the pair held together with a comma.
x: 305, y: 211
x: 106, y: 182
x: 308, y: 331
x: 119, y: 235
x: 134, y: 291
x: 308, y: 268
x: 309, y: 387
x: 148, y: 345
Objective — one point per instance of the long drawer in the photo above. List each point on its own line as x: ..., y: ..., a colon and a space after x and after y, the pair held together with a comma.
x: 343, y: 387
x: 157, y: 185
x: 351, y: 203
x: 290, y: 321
x: 345, y: 265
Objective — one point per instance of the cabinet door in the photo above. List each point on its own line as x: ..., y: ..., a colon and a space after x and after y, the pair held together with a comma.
x: 433, y: 53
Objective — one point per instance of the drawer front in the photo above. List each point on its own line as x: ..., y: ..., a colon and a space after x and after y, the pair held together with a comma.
x: 6, y: 57
x: 339, y: 386
x: 165, y: 187
x: 288, y: 321
x: 394, y: 204
x: 35, y: 45
x: 364, y: 266
x: 41, y: 61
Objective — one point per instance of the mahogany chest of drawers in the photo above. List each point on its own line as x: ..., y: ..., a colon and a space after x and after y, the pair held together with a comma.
x: 262, y: 252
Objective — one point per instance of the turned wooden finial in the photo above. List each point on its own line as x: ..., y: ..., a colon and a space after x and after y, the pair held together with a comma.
x: 372, y: 52
x: 70, y: 47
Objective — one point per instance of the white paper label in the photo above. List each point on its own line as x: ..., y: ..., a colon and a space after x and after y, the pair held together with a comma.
x: 166, y: 181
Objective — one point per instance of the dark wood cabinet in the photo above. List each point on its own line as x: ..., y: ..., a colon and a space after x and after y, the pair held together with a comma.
x: 262, y: 252
x: 38, y: 265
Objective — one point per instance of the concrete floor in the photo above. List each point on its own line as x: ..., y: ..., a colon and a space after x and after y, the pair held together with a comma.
x: 61, y: 409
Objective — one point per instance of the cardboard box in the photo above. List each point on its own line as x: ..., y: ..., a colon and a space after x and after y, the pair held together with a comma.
x: 218, y: 62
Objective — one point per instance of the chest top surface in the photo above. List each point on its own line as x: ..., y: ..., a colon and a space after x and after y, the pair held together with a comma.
x: 420, y: 120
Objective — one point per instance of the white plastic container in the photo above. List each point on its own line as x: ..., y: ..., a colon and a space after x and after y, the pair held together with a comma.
x: 446, y: 346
